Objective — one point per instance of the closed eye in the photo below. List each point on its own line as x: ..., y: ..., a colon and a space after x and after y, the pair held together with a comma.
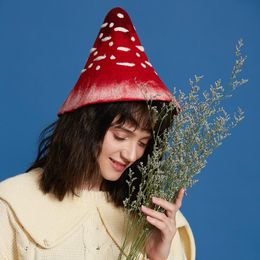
x: 119, y: 138
x: 142, y: 144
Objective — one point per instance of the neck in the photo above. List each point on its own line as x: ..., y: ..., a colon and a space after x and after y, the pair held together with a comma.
x: 94, y: 186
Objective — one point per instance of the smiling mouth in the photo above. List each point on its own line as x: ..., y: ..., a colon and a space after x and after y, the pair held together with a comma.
x: 117, y: 165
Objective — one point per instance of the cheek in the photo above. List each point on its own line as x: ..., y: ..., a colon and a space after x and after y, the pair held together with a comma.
x: 109, y: 145
x: 140, y: 152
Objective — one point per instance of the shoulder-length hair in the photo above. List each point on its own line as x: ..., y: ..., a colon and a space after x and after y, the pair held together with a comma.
x: 69, y: 147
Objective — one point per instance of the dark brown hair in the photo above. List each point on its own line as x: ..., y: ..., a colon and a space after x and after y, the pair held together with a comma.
x: 68, y: 148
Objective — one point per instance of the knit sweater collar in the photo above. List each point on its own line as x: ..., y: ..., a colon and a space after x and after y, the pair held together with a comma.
x: 49, y: 221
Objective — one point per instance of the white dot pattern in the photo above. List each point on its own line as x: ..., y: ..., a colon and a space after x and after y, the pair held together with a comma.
x: 100, y: 58
x: 92, y: 49
x: 112, y: 57
x: 105, y: 38
x: 115, y: 64
x: 126, y: 64
x: 148, y: 63
x: 120, y: 29
x: 123, y: 48
x: 141, y: 48
x: 120, y: 15
x: 104, y: 25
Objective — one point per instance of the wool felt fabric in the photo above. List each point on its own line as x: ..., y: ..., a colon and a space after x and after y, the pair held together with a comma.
x: 117, y: 68
x: 36, y: 226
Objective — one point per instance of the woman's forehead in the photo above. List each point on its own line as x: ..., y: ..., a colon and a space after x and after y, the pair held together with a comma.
x: 131, y: 129
x: 140, y: 122
x: 128, y: 125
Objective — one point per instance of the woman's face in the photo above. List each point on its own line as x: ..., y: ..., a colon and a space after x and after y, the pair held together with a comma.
x: 122, y: 146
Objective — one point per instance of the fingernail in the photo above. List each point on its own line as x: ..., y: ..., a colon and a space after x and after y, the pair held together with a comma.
x: 154, y: 199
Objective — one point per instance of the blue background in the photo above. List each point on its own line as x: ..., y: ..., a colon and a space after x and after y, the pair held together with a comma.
x: 44, y: 46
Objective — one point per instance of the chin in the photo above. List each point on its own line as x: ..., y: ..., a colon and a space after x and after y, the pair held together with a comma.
x: 112, y: 176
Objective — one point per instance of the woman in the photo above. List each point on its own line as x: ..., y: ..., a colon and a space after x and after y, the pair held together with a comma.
x: 69, y: 203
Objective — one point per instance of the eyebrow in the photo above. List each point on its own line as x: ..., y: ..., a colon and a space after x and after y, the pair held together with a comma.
x: 129, y: 131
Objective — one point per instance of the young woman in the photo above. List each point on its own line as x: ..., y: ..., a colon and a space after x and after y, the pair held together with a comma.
x: 69, y: 203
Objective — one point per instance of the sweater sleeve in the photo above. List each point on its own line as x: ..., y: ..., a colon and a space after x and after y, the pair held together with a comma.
x: 7, y: 234
x: 183, y: 245
x: 188, y: 243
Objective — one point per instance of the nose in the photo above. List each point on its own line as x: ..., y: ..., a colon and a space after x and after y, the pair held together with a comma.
x: 130, y: 153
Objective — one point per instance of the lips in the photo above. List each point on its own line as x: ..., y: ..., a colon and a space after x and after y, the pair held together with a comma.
x: 117, y: 165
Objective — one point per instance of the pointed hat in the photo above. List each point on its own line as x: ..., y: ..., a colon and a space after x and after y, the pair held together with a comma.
x: 117, y: 68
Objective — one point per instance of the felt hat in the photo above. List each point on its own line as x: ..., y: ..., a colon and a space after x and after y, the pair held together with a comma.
x: 117, y: 68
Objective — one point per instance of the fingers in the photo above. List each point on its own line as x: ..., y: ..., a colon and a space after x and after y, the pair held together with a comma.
x: 164, y: 223
x: 168, y: 206
x: 165, y: 227
x: 160, y: 221
x: 178, y: 201
x: 154, y: 214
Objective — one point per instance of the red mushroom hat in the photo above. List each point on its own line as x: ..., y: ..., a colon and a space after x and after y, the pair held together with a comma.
x: 117, y: 68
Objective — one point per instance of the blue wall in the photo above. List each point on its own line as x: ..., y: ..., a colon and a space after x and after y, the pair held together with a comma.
x: 44, y: 45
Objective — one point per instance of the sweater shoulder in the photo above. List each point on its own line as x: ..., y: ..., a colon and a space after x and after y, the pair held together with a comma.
x: 8, y: 228
x: 14, y: 184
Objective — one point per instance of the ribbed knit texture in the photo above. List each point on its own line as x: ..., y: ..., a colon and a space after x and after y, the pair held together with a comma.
x: 88, y: 239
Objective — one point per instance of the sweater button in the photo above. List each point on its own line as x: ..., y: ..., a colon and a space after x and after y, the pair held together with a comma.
x: 46, y: 243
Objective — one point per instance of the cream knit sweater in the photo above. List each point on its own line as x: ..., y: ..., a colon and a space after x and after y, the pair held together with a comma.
x: 38, y: 226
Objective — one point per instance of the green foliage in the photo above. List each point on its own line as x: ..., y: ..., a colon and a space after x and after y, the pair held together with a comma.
x: 180, y: 152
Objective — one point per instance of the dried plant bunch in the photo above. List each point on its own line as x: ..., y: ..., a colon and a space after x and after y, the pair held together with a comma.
x: 180, y: 151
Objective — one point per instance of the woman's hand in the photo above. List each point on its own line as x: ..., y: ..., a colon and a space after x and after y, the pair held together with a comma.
x: 164, y: 227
